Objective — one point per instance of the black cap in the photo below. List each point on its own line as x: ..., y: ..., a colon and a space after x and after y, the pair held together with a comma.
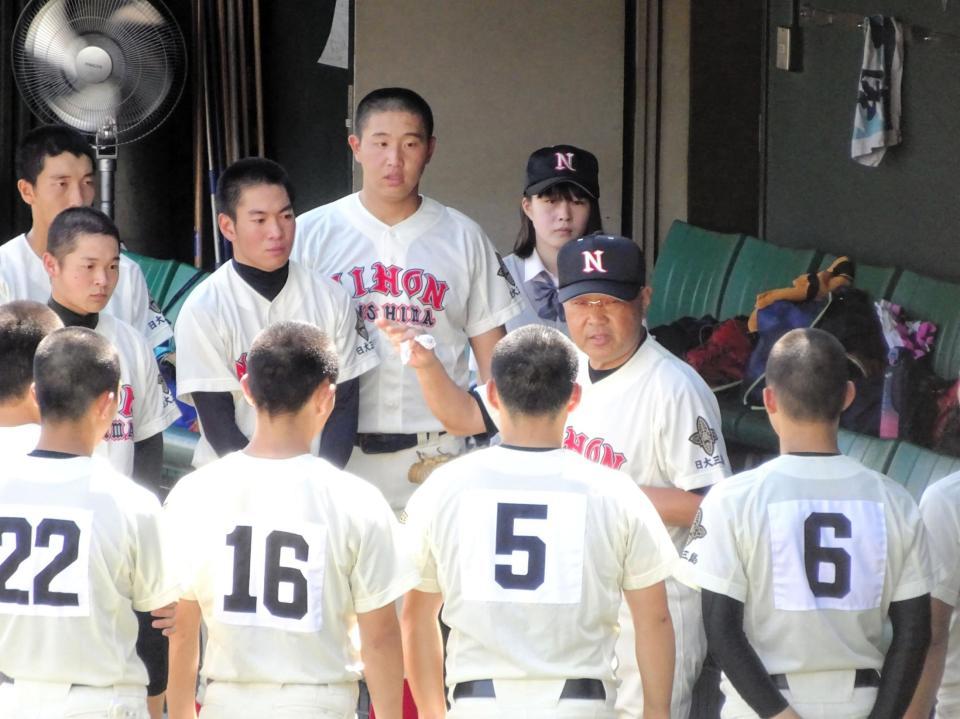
x: 601, y: 264
x: 550, y: 166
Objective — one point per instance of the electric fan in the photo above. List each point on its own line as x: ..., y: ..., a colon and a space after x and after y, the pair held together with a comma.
x: 112, y: 69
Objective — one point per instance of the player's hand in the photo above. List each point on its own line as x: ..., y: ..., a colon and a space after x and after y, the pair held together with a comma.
x: 787, y: 713
x: 164, y: 619
x: 397, y: 334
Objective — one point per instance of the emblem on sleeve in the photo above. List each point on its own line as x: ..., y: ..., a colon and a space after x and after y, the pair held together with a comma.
x: 697, y: 530
x: 361, y: 328
x: 504, y: 272
x: 705, y: 437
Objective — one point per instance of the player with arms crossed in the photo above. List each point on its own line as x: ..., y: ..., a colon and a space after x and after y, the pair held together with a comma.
x: 408, y: 259
x: 80, y: 549
x: 23, y: 324
x: 643, y: 411
x: 54, y: 166
x: 280, y: 552
x: 527, y: 547
x: 814, y: 570
x: 259, y: 286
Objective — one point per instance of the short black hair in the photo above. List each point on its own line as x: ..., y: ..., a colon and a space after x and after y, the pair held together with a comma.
x: 286, y: 363
x: 73, y: 366
x: 534, y: 368
x: 23, y: 324
x: 807, y: 369
x: 526, y: 241
x: 249, y: 172
x: 394, y: 99
x: 48, y: 141
x: 73, y: 222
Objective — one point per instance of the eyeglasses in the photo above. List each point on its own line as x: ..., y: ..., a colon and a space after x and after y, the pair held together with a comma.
x: 604, y: 304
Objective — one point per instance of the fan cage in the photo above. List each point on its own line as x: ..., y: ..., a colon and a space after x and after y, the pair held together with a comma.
x: 145, y: 47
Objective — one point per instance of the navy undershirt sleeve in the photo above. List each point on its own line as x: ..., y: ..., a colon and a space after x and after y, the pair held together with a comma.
x: 904, y: 661
x: 216, y: 412
x: 727, y: 642
x: 340, y: 432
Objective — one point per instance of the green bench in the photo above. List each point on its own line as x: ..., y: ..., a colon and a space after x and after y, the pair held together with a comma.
x: 699, y: 271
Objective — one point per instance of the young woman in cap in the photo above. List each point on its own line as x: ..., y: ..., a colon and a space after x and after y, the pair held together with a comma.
x: 559, y: 204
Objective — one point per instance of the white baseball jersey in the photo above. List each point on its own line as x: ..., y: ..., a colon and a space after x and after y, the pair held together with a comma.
x: 436, y: 271
x: 536, y: 546
x: 940, y: 509
x: 18, y: 440
x: 80, y: 551
x: 654, y: 419
x: 131, y: 302
x: 146, y: 405
x: 223, y: 315
x: 281, y: 555
x: 816, y: 548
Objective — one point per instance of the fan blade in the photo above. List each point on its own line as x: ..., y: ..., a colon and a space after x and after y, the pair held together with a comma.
x: 88, y: 108
x: 138, y: 12
x: 50, y: 37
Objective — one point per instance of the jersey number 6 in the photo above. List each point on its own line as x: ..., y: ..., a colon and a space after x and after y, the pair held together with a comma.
x: 240, y: 599
x: 815, y: 554
x: 508, y: 542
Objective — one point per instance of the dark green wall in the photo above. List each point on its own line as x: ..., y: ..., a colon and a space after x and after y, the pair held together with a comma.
x: 906, y: 212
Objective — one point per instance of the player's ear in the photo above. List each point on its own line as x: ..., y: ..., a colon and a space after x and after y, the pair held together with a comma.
x: 769, y: 400
x: 849, y: 394
x: 245, y: 388
x: 27, y: 192
x: 492, y: 397
x: 50, y: 264
x: 575, y: 396
x: 431, y: 146
x: 227, y: 226
x: 354, y: 142
x: 106, y: 405
x: 325, y: 398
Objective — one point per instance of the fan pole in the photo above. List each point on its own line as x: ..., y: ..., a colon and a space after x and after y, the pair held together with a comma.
x: 106, y: 144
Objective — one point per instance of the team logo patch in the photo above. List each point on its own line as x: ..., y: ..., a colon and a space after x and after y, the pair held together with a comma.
x: 705, y: 437
x: 361, y: 328
x: 697, y: 530
x: 504, y: 272
x: 240, y: 365
x: 593, y: 262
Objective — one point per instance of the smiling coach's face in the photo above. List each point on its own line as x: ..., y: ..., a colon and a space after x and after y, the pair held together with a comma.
x: 262, y: 233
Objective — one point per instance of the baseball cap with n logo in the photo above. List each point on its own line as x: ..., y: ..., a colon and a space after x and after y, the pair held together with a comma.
x: 551, y: 166
x: 600, y: 264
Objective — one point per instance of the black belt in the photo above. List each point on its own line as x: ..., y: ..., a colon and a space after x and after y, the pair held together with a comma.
x: 572, y: 689
x: 863, y: 678
x: 373, y: 443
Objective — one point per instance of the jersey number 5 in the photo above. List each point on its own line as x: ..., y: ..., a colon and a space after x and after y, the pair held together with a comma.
x: 240, y: 599
x: 22, y: 533
x: 815, y: 555
x: 508, y: 542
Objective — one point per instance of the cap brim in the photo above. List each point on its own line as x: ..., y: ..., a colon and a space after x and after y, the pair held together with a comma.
x: 621, y: 290
x: 537, y: 187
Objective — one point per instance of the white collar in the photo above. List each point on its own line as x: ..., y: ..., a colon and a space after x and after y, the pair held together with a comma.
x: 533, y: 266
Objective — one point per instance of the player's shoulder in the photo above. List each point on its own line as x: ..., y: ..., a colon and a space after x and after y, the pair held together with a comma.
x: 451, y: 219
x: 322, y: 286
x: 123, y: 336
x: 130, y: 497
x: 130, y: 269
x: 13, y: 248
x: 331, y: 212
x: 946, y: 491
x: 208, y: 291
x: 672, y: 370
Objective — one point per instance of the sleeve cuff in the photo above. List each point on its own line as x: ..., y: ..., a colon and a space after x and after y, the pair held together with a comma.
x: 912, y: 590
x: 697, y: 579
x: 222, y: 384
x: 495, y: 320
x: 396, y: 590
x: 158, y: 600
x: 148, y: 429
x: 648, y: 579
x: 356, y: 368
